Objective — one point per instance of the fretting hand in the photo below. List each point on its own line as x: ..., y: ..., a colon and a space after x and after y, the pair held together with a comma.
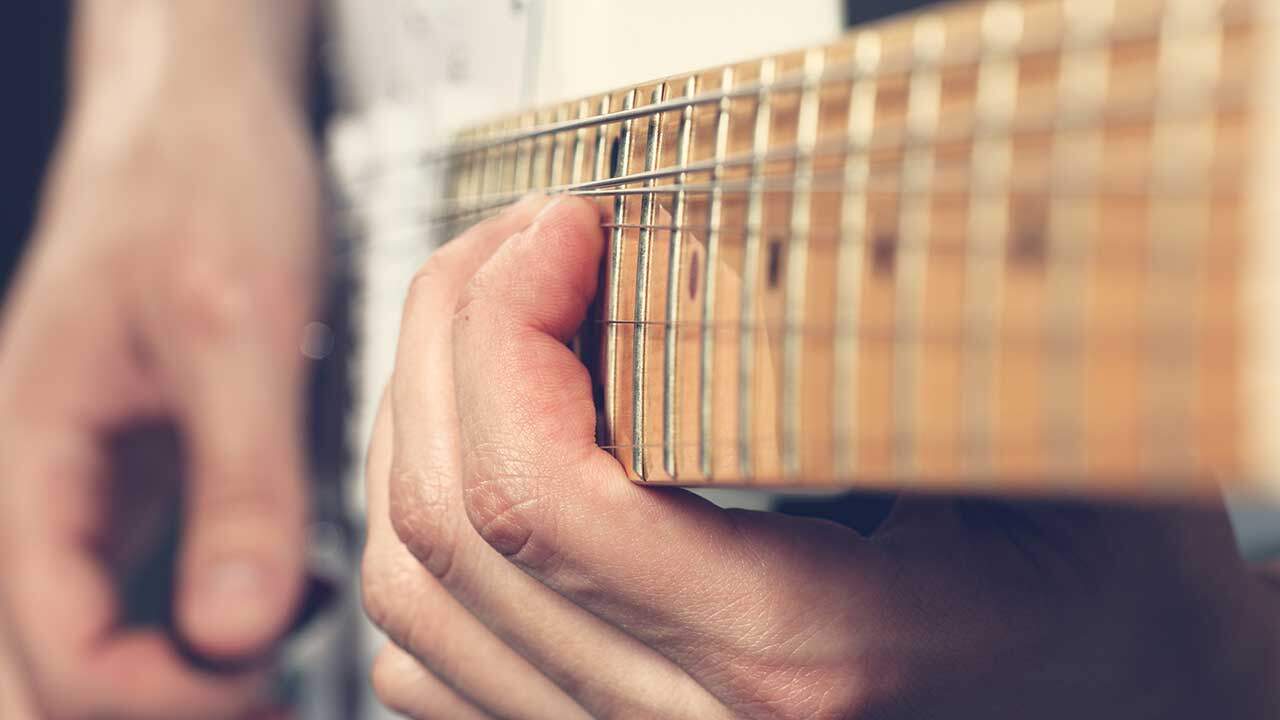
x: 520, y: 574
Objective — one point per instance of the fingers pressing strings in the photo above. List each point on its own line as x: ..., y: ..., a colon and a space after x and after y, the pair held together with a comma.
x: 539, y: 490
x: 609, y: 672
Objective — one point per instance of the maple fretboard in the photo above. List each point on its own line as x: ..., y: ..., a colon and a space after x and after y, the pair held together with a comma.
x: 1000, y: 245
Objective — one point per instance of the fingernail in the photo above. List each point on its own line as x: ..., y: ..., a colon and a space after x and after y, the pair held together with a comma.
x: 234, y: 600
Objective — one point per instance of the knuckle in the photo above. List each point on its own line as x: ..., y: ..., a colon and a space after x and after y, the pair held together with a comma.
x: 436, y: 282
x: 510, y: 512
x: 209, y: 302
x: 422, y: 519
x: 471, y: 296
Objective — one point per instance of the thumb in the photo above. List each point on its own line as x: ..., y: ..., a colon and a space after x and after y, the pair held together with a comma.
x: 239, y: 401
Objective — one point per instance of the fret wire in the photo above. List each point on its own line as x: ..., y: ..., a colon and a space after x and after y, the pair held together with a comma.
x: 1235, y: 15
x: 640, y: 348
x: 556, y: 175
x: 1068, y: 120
x: 575, y: 177
x: 988, y: 229
x: 675, y: 259
x: 535, y: 159
x: 524, y: 162
x: 614, y: 279
x: 914, y: 224
x: 798, y: 263
x: 499, y: 161
x: 751, y: 269
x: 602, y: 146
x: 1084, y: 79
x: 508, y: 167
x: 860, y: 129
x: 711, y: 275
x: 1181, y: 157
x: 469, y: 185
x: 490, y: 174
x: 579, y: 145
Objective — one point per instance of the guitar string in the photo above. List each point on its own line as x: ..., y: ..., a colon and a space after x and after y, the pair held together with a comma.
x: 1142, y: 29
x: 1230, y: 100
x: 1112, y: 335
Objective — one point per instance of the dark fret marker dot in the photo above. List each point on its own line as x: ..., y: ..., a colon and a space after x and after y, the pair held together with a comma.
x: 883, y: 254
x: 1028, y: 249
x: 615, y: 157
x: 694, y: 267
x: 775, y: 263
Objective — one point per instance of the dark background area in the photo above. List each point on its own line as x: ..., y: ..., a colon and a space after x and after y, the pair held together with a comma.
x: 33, y: 42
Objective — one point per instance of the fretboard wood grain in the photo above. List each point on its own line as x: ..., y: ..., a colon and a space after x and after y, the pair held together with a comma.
x: 1001, y: 245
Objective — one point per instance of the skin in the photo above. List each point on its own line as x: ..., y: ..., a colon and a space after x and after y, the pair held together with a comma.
x: 169, y: 281
x: 519, y: 574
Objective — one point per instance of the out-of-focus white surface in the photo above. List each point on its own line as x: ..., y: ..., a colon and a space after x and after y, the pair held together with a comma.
x: 588, y: 46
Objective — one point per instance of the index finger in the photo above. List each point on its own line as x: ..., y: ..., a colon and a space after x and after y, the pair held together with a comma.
x: 661, y: 563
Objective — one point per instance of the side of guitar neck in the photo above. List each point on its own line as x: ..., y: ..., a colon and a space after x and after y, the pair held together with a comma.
x: 1000, y: 246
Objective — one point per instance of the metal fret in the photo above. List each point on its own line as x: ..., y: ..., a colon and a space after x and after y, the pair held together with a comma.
x: 1189, y: 65
x: 536, y: 160
x: 507, y: 165
x: 751, y: 271
x: 860, y: 129
x: 601, y: 169
x: 644, y: 251
x: 556, y: 177
x: 579, y: 144
x: 675, y: 261
x: 925, y: 96
x: 1077, y: 160
x: 712, y: 271
x: 492, y: 165
x: 798, y: 264
x: 988, y: 231
x: 472, y: 177
x: 524, y: 161
x: 614, y: 278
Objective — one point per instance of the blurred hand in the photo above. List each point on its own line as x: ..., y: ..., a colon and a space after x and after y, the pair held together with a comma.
x: 519, y: 573
x: 150, y: 352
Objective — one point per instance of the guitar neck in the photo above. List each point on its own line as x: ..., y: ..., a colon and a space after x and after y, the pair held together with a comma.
x: 1001, y: 245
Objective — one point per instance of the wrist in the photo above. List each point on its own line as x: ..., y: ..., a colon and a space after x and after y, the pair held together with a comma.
x: 128, y: 53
